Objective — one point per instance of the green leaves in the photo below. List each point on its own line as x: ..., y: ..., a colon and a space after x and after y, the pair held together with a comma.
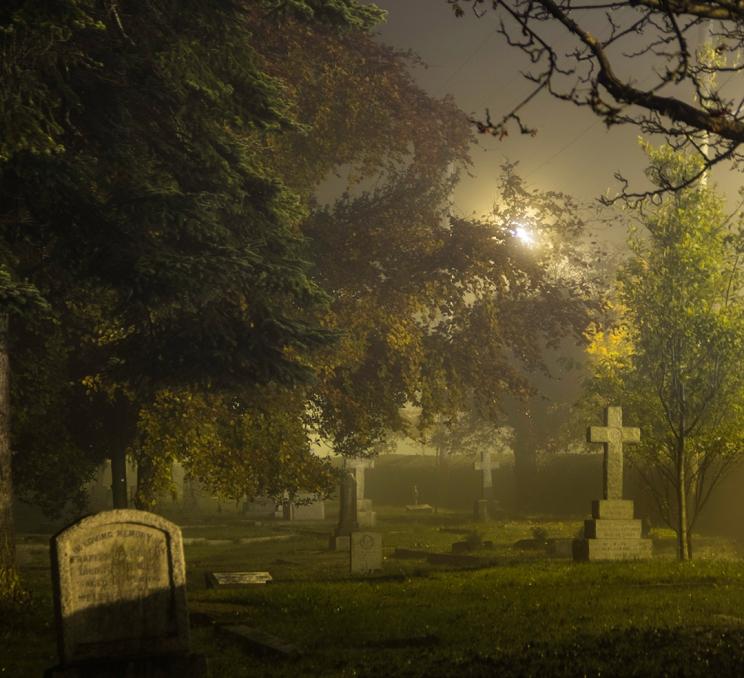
x: 19, y: 298
x: 675, y: 362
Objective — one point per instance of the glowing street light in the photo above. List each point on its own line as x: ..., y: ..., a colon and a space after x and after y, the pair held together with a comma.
x: 524, y: 235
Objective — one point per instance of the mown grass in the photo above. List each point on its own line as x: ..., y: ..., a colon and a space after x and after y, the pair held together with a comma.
x: 526, y: 615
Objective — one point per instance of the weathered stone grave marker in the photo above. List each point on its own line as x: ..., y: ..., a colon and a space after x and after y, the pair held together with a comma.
x: 120, y: 597
x: 612, y: 533
x: 366, y: 552
x: 485, y: 465
x: 365, y: 515
x: 219, y: 580
x: 308, y: 507
x: 347, y: 514
x: 259, y: 507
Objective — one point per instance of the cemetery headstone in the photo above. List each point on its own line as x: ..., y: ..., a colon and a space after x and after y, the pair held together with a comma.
x: 120, y: 597
x: 365, y: 515
x: 347, y: 514
x: 366, y: 552
x: 309, y: 508
x: 259, y: 507
x: 612, y: 533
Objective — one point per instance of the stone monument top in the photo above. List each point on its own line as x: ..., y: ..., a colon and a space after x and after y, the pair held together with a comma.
x: 358, y: 465
x: 613, y: 435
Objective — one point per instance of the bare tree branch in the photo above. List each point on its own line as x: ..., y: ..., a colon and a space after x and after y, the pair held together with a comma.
x: 632, y: 62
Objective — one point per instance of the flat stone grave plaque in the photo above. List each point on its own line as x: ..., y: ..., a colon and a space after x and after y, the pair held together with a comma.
x: 419, y: 508
x: 366, y: 551
x: 236, y: 579
x: 120, y: 589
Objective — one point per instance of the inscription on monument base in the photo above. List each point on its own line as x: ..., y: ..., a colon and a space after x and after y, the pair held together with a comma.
x: 613, y: 509
x: 612, y: 529
x: 612, y: 549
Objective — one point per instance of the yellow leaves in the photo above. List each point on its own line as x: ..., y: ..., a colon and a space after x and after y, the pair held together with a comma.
x: 91, y: 382
x: 97, y: 383
x: 400, y: 336
x: 113, y: 334
x: 610, y: 350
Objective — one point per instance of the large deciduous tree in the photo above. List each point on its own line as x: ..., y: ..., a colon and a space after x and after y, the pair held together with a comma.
x: 674, y: 356
x: 432, y: 308
x: 450, y: 315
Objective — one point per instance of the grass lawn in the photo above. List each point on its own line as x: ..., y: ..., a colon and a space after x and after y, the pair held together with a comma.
x: 525, y: 615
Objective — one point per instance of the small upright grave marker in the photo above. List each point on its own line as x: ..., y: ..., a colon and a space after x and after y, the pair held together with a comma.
x: 308, y: 507
x: 366, y: 552
x: 259, y: 507
x: 612, y: 533
x: 120, y: 597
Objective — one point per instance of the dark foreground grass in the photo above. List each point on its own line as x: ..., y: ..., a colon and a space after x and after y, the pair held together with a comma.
x: 525, y: 616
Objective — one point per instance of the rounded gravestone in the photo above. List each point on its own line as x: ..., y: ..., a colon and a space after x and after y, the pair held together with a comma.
x: 119, y: 580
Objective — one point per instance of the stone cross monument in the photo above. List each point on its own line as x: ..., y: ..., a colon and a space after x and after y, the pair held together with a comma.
x: 613, y: 434
x: 359, y: 465
x: 612, y: 533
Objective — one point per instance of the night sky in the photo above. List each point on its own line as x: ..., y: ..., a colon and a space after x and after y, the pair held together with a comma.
x: 467, y: 58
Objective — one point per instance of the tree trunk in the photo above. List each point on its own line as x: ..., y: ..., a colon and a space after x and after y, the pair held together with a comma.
x: 683, y: 548
x: 689, y: 544
x: 145, y: 497
x: 525, y: 473
x: 119, y: 476
x: 525, y: 447
x: 190, y: 502
x: 7, y: 528
x: 443, y: 478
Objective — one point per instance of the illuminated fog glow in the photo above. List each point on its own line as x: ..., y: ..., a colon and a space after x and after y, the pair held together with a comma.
x: 523, y: 234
